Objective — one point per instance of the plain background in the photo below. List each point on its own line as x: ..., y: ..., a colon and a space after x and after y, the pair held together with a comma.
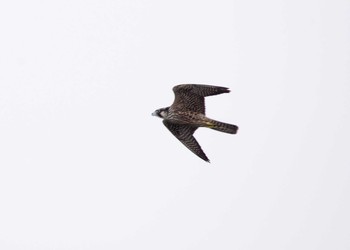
x: 84, y: 165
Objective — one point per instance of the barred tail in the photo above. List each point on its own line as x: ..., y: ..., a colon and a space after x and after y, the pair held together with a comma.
x: 222, y: 127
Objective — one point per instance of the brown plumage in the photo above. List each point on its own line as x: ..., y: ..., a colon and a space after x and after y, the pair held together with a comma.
x: 187, y: 113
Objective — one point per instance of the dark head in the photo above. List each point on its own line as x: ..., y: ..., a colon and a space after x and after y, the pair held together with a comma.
x: 161, y: 113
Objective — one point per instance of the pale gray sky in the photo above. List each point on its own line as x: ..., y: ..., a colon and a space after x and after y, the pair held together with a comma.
x: 84, y: 165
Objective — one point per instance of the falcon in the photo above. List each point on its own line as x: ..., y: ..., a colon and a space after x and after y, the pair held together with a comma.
x: 187, y: 113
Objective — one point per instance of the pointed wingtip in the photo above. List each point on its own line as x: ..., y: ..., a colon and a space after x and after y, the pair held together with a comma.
x: 206, y: 159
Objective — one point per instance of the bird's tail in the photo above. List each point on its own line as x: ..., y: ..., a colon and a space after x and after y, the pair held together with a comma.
x: 222, y: 127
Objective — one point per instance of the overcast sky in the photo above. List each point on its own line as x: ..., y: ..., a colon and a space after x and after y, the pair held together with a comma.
x: 84, y: 165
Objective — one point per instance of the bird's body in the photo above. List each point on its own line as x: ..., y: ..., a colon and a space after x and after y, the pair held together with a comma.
x: 187, y: 113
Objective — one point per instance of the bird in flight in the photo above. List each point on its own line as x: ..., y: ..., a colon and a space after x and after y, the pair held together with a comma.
x: 187, y: 113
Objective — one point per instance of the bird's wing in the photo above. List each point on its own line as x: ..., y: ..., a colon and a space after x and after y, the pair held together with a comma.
x: 184, y: 134
x: 190, y: 97
x: 201, y: 89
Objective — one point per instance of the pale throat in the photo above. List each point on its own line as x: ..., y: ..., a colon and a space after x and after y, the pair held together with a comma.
x: 163, y: 113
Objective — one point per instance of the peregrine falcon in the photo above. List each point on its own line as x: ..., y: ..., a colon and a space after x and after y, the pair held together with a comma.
x: 187, y: 113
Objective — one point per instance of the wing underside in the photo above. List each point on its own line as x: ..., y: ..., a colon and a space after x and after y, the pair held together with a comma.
x: 184, y: 134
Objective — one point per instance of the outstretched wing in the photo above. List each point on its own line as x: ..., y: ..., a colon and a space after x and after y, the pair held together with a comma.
x: 184, y: 134
x: 190, y: 97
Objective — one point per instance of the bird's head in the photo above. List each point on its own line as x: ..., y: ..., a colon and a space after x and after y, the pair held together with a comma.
x: 161, y: 113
